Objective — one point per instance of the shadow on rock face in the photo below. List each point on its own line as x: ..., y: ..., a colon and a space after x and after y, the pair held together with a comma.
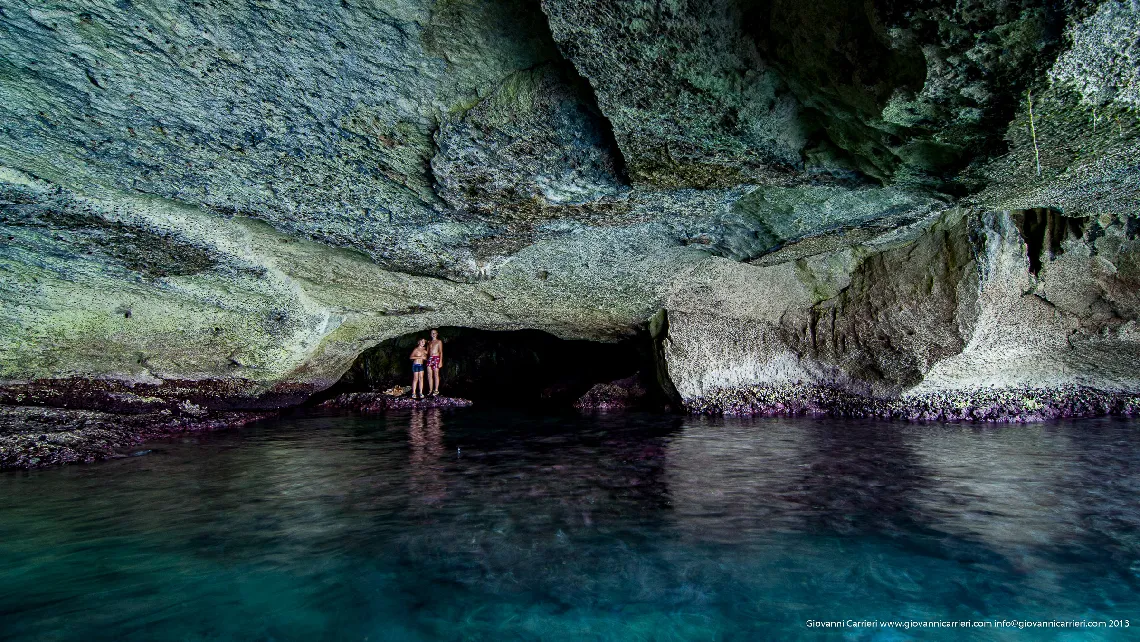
x: 904, y: 90
x: 522, y: 367
x: 1043, y: 231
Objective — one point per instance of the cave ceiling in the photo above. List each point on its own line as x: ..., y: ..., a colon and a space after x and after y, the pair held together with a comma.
x: 173, y: 150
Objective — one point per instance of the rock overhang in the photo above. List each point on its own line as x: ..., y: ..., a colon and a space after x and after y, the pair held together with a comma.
x: 260, y: 193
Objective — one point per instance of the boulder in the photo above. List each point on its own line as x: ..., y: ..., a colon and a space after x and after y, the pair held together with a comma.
x: 622, y: 394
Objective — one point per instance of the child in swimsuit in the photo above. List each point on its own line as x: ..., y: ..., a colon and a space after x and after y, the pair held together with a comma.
x: 435, y: 362
x: 418, y: 356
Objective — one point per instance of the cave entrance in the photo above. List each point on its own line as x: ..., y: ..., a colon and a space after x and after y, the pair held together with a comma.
x: 507, y: 368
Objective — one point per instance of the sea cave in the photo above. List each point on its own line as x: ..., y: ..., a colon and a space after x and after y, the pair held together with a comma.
x: 756, y: 319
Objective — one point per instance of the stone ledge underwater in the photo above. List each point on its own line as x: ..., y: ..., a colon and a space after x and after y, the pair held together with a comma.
x: 193, y: 397
x: 43, y: 436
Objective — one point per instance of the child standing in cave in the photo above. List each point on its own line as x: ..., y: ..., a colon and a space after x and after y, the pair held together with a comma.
x: 418, y: 355
x: 435, y: 362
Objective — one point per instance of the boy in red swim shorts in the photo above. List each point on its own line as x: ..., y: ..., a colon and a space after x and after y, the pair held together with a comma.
x: 435, y: 362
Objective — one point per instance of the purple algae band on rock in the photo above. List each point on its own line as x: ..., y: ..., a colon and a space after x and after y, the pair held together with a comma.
x: 1013, y: 405
x: 380, y: 402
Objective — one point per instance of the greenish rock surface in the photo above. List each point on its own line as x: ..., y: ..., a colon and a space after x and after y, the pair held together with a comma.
x: 536, y: 148
x: 721, y: 92
x: 226, y: 204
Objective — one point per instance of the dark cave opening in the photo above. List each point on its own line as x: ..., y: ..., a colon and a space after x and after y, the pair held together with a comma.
x: 1044, y: 229
x: 509, y: 368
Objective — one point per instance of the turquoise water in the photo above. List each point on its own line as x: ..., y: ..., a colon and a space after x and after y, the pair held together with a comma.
x: 503, y: 525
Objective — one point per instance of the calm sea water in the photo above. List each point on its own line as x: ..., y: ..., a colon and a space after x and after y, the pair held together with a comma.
x: 503, y: 525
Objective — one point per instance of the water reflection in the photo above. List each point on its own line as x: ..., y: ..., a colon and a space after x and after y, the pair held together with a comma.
x: 1050, y: 500
x: 425, y: 470
x: 1011, y: 491
x: 493, y: 525
x: 749, y: 477
x: 740, y: 478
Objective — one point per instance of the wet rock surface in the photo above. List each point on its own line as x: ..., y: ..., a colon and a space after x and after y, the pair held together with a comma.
x: 1015, y: 405
x: 38, y: 437
x: 148, y: 397
x: 380, y: 402
x: 622, y: 394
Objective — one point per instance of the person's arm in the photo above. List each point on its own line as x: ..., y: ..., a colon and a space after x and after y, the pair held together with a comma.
x: 440, y: 354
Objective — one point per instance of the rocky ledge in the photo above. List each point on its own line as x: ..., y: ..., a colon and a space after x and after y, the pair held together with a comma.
x: 38, y: 437
x: 1019, y: 405
x: 379, y: 402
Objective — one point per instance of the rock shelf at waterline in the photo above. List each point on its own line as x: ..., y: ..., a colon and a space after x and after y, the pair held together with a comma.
x: 39, y: 437
x: 1019, y: 405
x: 380, y: 402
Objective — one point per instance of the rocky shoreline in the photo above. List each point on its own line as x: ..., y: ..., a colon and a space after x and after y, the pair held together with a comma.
x: 1011, y: 405
x: 180, y: 397
x: 380, y: 402
x: 39, y: 437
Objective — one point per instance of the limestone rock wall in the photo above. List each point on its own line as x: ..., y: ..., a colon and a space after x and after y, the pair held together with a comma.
x: 152, y: 290
x: 1056, y: 305
x: 963, y: 303
x: 227, y: 203
x: 316, y: 117
x: 718, y: 92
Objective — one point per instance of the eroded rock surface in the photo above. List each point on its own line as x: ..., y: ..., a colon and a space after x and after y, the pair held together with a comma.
x: 226, y: 204
x: 963, y: 305
x: 1006, y: 405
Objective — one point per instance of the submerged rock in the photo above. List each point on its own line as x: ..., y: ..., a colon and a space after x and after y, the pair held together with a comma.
x: 192, y: 398
x: 380, y: 402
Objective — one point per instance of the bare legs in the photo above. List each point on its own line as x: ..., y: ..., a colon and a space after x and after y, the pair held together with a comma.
x: 417, y: 380
x: 433, y: 380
